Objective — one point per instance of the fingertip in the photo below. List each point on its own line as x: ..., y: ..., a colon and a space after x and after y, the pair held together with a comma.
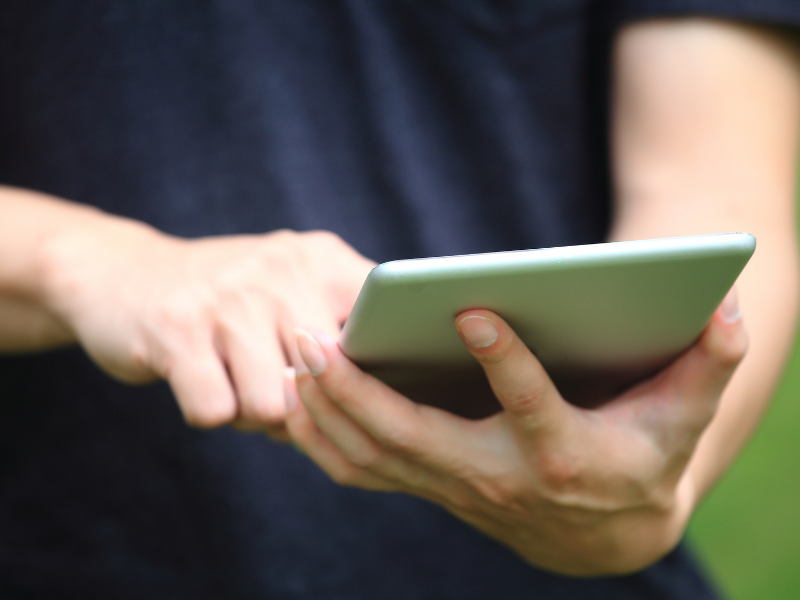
x: 212, y: 407
x: 214, y: 412
x: 705, y: 369
x: 729, y: 308
x: 314, y: 345
x: 261, y: 400
x: 487, y: 336
x: 725, y: 339
x: 476, y: 330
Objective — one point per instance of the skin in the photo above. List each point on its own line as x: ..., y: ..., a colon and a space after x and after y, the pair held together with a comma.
x: 704, y: 140
x: 578, y: 491
x: 215, y: 317
x: 705, y: 132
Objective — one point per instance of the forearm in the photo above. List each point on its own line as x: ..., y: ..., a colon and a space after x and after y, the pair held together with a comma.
x: 769, y: 300
x: 27, y: 327
x: 768, y: 297
x: 32, y: 227
x: 767, y: 290
x: 708, y: 148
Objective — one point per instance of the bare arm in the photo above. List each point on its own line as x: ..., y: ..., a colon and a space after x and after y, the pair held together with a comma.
x: 214, y: 317
x: 705, y: 126
x: 705, y: 135
x: 27, y: 221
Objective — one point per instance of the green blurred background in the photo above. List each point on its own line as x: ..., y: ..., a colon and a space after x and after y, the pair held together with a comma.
x: 747, y: 532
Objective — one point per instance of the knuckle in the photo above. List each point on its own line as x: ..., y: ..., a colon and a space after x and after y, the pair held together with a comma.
x: 180, y: 311
x: 284, y: 235
x: 526, y: 401
x: 142, y: 359
x: 400, y: 439
x: 368, y: 458
x: 263, y: 410
x: 284, y: 262
x: 559, y: 474
x: 346, y: 476
x: 497, y: 492
x: 325, y: 238
x: 209, y: 416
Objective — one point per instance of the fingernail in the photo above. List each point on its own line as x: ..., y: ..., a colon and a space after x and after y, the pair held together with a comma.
x: 478, y: 332
x: 311, y: 352
x: 729, y: 309
x: 289, y: 397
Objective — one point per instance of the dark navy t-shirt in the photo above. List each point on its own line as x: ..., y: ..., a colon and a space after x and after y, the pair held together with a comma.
x: 410, y: 128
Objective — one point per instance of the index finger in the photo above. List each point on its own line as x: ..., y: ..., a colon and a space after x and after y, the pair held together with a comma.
x: 422, y: 433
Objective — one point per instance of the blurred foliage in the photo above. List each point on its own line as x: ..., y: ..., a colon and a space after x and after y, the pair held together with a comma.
x: 747, y: 532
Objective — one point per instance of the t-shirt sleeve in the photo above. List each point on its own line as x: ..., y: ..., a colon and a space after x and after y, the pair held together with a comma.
x: 767, y: 12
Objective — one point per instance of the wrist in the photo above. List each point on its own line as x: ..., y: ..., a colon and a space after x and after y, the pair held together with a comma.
x: 73, y: 259
x: 645, y: 545
x: 626, y: 542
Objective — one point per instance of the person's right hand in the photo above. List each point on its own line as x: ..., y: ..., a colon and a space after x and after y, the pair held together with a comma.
x: 215, y: 317
x: 582, y: 492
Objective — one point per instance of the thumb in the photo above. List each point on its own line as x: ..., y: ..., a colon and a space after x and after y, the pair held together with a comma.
x: 718, y: 351
x: 678, y: 403
x: 518, y: 379
x: 700, y: 375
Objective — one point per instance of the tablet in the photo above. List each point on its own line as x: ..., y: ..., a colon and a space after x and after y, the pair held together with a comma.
x: 599, y: 317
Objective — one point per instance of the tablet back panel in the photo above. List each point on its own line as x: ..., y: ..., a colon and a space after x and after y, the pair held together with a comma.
x: 612, y: 311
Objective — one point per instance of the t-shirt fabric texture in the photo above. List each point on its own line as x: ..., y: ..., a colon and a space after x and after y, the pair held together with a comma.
x: 410, y: 128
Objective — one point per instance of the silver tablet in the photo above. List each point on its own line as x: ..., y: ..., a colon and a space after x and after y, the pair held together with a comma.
x: 599, y: 317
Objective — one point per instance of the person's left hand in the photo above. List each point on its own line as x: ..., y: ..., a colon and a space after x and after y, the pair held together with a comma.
x: 577, y: 491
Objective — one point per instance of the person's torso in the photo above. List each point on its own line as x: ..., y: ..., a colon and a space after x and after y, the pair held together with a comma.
x: 410, y: 128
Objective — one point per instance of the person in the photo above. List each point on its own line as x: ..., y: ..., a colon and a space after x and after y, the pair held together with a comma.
x: 145, y: 149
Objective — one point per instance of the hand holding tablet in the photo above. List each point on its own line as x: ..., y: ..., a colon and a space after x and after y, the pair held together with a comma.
x: 568, y: 489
